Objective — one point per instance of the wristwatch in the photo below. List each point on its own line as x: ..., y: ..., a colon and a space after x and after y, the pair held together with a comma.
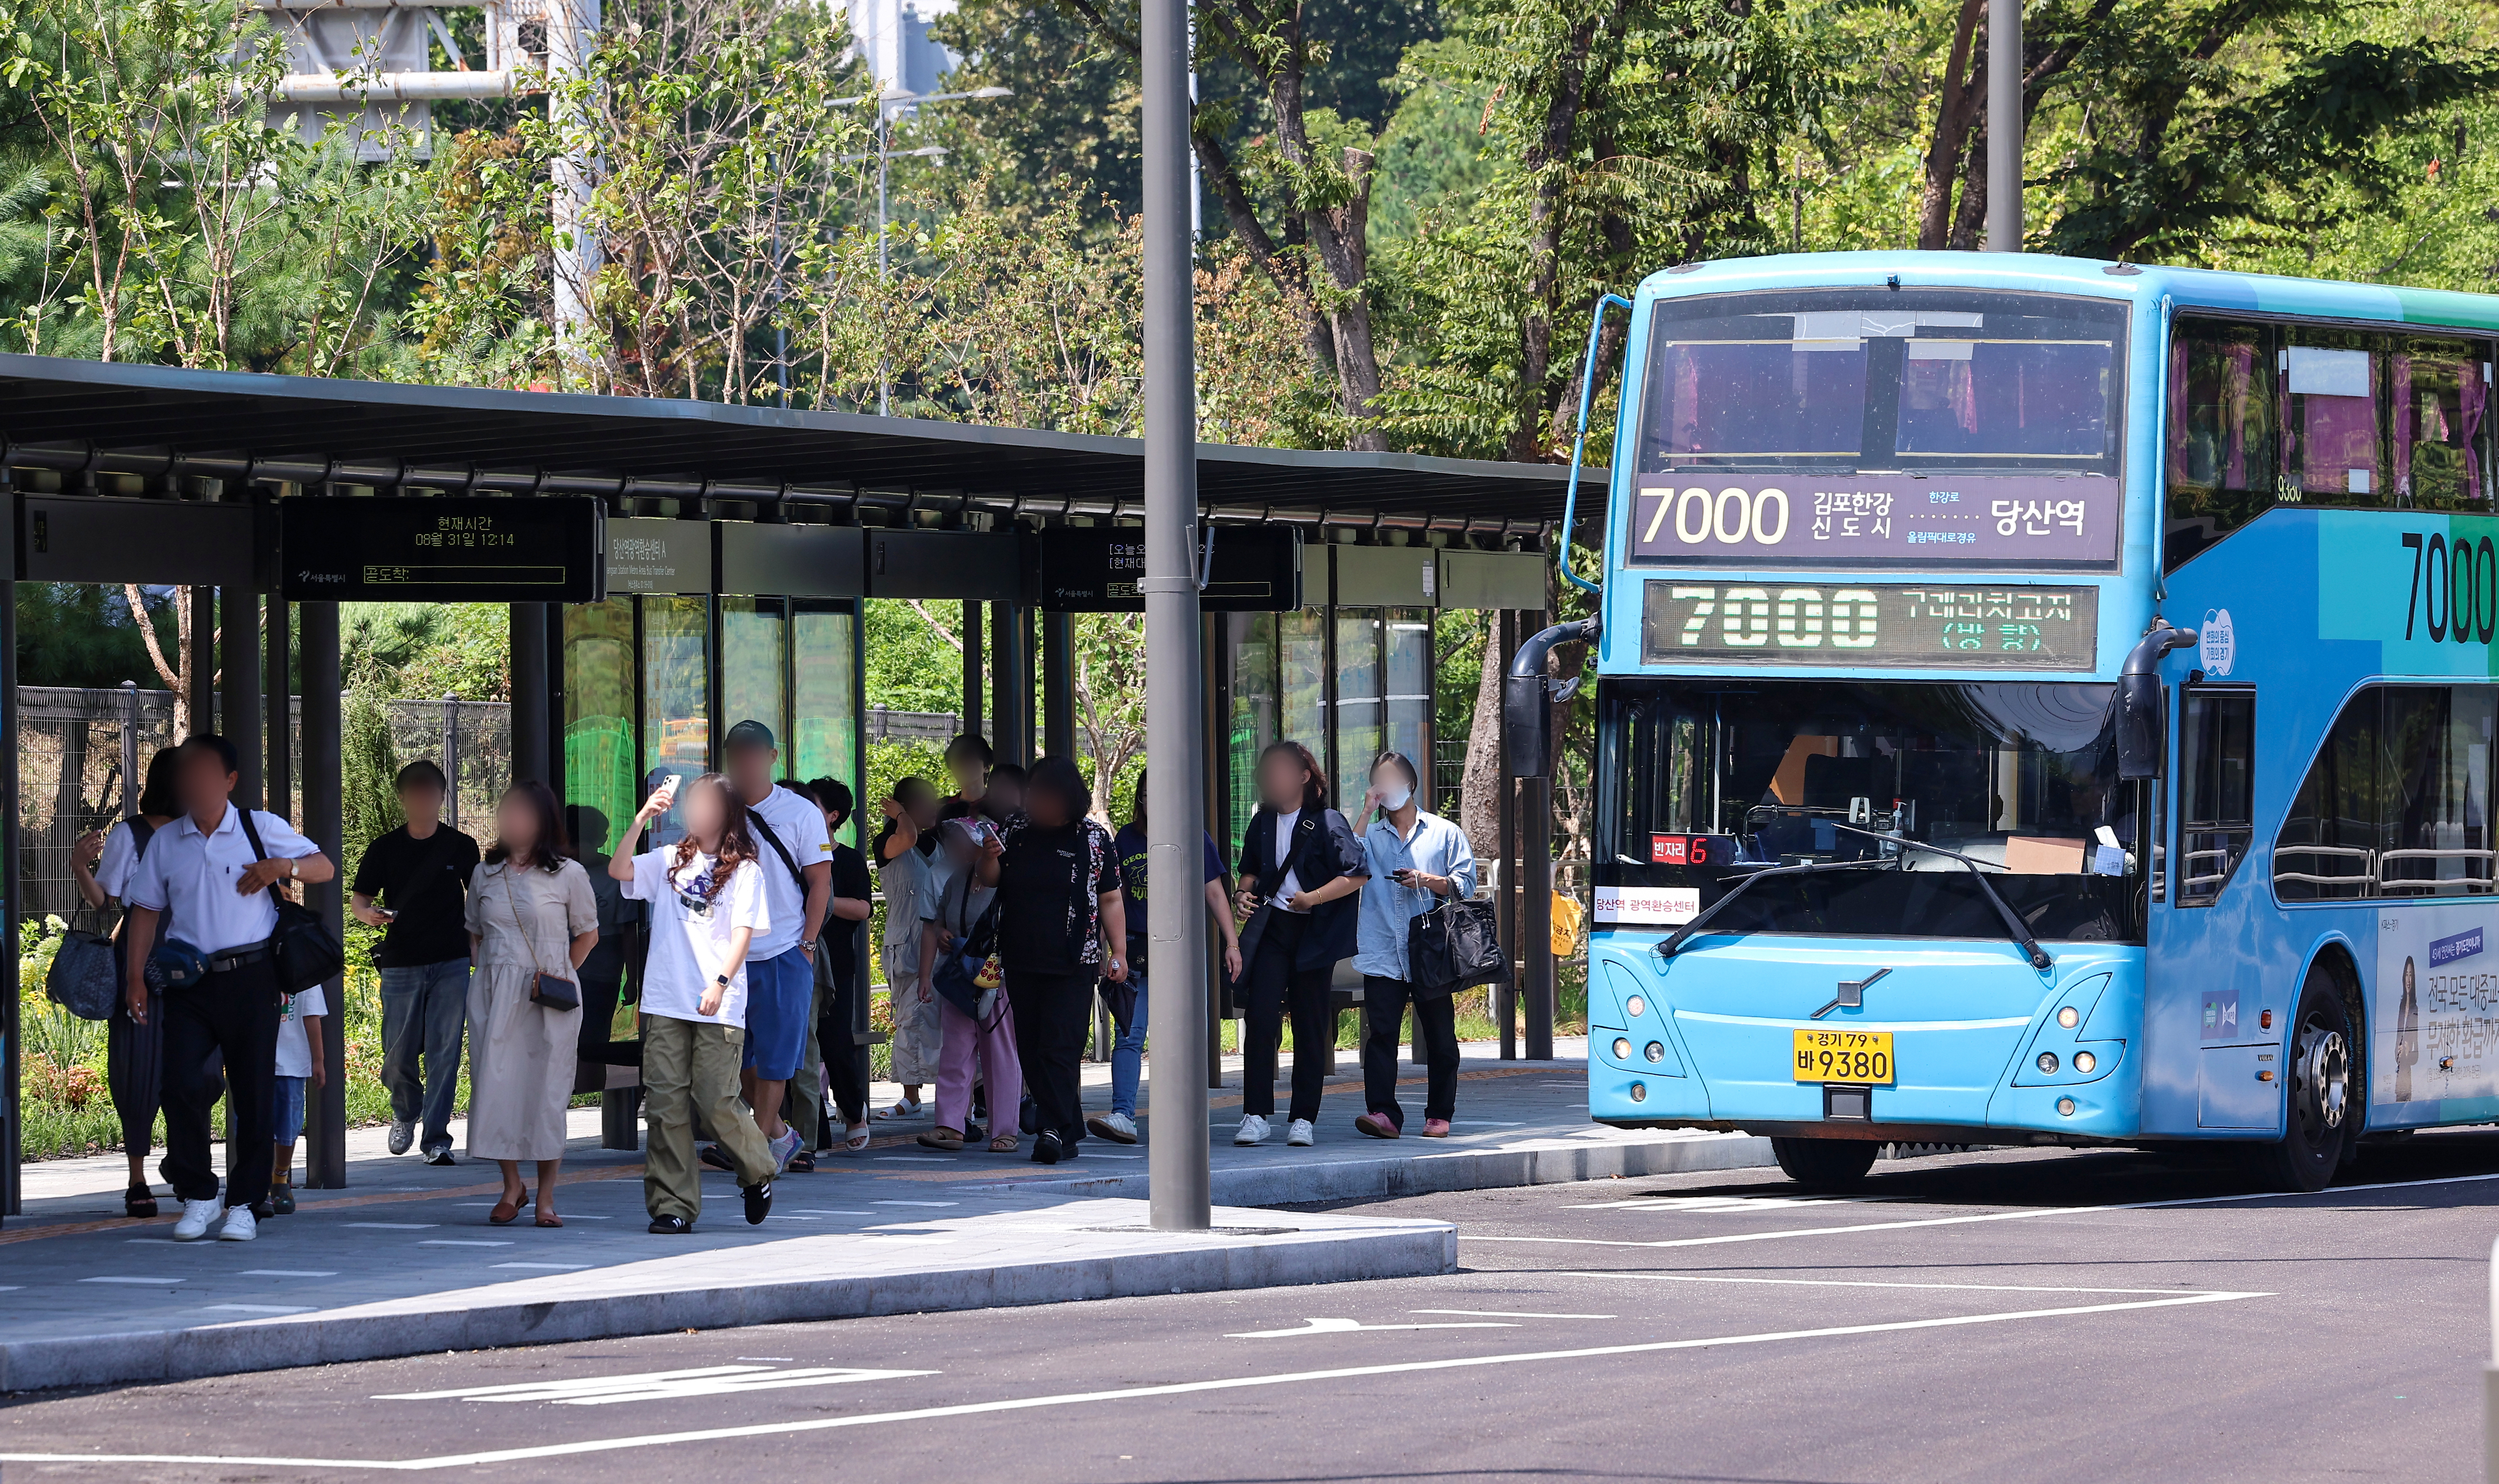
x: 807, y: 946
x: 721, y: 980
x: 295, y: 869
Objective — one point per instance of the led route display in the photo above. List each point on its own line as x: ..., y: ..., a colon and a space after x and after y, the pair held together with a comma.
x: 1897, y: 626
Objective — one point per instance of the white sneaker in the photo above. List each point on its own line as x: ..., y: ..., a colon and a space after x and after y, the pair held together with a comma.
x: 1252, y: 1130
x: 196, y: 1216
x: 785, y: 1148
x: 1118, y: 1127
x: 1301, y: 1135
x: 240, y: 1226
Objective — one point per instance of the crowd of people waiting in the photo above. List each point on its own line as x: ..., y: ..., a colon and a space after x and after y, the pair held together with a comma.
x: 1010, y: 906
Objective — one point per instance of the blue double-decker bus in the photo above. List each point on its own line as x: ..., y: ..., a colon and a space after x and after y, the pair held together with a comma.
x: 2047, y: 701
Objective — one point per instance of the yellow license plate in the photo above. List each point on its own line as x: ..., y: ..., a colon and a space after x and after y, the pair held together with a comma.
x: 1843, y: 1057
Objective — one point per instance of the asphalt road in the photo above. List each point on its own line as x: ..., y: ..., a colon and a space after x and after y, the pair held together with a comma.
x: 2031, y: 1315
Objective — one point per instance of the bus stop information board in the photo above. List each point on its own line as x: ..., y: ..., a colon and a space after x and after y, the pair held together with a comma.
x: 1097, y: 569
x: 1885, y: 625
x: 452, y: 549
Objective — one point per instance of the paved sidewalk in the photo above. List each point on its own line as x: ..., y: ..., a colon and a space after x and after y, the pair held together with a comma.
x: 403, y: 1260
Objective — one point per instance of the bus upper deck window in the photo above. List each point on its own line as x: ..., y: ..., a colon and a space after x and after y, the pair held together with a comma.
x: 2216, y: 791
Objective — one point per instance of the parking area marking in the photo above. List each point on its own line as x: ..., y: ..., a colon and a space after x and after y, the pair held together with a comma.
x: 1124, y: 1394
x: 1994, y: 1215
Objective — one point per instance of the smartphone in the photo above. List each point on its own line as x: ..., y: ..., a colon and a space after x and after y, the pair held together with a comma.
x: 1403, y: 876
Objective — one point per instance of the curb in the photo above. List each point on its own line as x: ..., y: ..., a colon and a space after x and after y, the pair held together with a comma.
x: 1557, y: 1163
x: 417, y: 1326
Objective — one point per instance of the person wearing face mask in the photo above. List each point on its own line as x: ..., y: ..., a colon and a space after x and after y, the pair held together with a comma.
x: 1417, y: 860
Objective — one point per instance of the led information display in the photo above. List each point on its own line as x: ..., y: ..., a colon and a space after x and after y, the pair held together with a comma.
x: 1097, y: 569
x: 1897, y: 626
x: 1697, y: 519
x: 450, y: 549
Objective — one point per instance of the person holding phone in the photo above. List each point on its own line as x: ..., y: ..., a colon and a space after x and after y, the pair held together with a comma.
x: 1301, y: 867
x: 707, y: 907
x: 1417, y: 860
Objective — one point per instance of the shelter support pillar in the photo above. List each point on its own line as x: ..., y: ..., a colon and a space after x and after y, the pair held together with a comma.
x: 1175, y: 750
x: 239, y: 690
x: 278, y: 682
x: 531, y: 755
x: 1010, y: 684
x: 974, y: 712
x: 199, y: 663
x: 324, y: 1120
x: 1058, y: 685
x: 12, y: 1104
x: 1211, y: 628
x: 1505, y: 995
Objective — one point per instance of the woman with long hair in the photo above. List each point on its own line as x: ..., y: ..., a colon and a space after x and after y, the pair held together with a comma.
x: 1061, y: 928
x: 707, y: 907
x: 134, y: 1052
x: 904, y: 854
x: 531, y: 916
x: 1301, y: 868
x: 1417, y: 860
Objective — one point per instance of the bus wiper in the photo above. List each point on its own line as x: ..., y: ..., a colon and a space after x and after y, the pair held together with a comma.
x: 1702, y: 919
x: 2019, y: 930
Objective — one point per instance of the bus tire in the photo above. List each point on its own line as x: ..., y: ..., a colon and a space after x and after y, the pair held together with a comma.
x: 1825, y: 1164
x: 2320, y: 1113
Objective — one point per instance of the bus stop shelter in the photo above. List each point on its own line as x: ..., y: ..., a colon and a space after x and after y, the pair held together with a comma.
x: 735, y: 547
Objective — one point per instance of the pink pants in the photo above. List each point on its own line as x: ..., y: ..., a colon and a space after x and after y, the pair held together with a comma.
x: 960, y: 1040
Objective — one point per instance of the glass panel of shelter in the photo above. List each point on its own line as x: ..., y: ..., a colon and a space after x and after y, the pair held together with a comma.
x: 1346, y: 682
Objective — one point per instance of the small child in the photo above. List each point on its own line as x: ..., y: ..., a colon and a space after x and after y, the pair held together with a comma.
x: 298, y: 1060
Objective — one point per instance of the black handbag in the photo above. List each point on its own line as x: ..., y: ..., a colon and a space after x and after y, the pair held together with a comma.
x: 1454, y: 946
x: 83, y: 979
x: 308, y: 951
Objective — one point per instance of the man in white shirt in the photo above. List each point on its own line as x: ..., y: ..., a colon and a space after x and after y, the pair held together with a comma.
x: 795, y: 851
x: 202, y: 867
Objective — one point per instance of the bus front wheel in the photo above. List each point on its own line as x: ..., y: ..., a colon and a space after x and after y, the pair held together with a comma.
x: 1825, y: 1164
x: 2321, y: 1104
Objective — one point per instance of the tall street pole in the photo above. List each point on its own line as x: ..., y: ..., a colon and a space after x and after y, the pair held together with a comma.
x: 571, y: 32
x: 2004, y: 125
x: 1175, y: 750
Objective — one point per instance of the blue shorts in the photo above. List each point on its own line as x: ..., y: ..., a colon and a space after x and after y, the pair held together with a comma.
x: 286, y: 1112
x: 779, y: 993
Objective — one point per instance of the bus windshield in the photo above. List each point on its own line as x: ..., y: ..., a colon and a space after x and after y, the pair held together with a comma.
x: 1709, y: 781
x: 1840, y: 380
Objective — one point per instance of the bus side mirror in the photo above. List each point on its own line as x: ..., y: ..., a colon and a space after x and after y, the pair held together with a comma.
x: 2139, y: 736
x: 2142, y: 735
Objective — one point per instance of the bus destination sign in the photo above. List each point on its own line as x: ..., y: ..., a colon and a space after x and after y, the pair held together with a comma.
x: 449, y: 549
x: 1693, y: 518
x: 1881, y: 626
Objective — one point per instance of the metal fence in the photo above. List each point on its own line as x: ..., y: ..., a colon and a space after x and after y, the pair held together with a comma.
x: 471, y: 741
x: 934, y: 726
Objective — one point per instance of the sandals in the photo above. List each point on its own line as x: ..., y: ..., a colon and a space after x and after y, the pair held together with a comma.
x: 1005, y: 1143
x: 903, y: 1108
x: 505, y: 1212
x: 549, y: 1218
x: 948, y: 1140
x: 139, y: 1202
x: 856, y: 1139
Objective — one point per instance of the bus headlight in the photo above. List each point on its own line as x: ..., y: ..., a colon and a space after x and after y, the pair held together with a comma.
x: 1622, y: 1049
x: 2084, y: 1061
x: 1655, y: 1050
x: 1636, y: 1006
x: 2048, y: 1061
x: 2069, y: 1017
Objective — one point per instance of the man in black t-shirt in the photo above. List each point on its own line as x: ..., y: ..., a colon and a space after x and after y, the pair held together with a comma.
x: 413, y: 885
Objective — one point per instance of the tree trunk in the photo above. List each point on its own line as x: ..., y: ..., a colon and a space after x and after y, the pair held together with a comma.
x: 1480, y: 787
x: 1546, y: 219
x: 1965, y: 83
x: 1969, y: 219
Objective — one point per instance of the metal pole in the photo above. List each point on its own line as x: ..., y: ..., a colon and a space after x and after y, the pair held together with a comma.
x: 1536, y: 816
x: 572, y: 31
x: 1505, y: 995
x: 450, y: 759
x: 130, y: 779
x: 533, y: 750
x: 973, y: 711
x: 325, y: 1126
x: 199, y: 665
x: 239, y: 688
x: 1058, y: 685
x: 1217, y: 763
x: 1175, y: 752
x: 12, y: 1101
x: 884, y: 365
x: 281, y: 685
x: 1010, y: 686
x: 2004, y: 125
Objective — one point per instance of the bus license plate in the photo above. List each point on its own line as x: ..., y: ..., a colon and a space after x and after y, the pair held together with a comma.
x: 1843, y: 1057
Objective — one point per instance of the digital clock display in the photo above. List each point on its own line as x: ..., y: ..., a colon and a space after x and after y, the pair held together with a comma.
x: 1889, y: 625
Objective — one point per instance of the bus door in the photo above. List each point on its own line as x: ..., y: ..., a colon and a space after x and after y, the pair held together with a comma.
x: 2203, y: 980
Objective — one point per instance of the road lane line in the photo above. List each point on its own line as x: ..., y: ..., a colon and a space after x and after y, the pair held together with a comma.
x: 1075, y: 1399
x: 1698, y: 1278
x: 1997, y: 1215
x: 1505, y: 1313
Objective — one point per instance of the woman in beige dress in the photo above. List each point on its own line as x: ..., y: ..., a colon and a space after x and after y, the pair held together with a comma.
x: 530, y: 912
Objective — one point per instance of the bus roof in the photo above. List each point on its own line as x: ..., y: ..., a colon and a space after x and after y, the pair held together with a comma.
x: 2145, y: 284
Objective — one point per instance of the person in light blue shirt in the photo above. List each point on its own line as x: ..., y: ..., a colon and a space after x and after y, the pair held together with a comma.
x: 1416, y: 860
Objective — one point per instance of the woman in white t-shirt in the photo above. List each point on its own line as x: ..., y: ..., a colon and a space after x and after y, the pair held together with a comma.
x: 707, y: 907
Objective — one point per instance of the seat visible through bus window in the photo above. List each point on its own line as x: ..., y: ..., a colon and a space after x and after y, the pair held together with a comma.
x: 2221, y: 459
x: 2437, y: 798
x: 2216, y: 791
x: 2437, y: 396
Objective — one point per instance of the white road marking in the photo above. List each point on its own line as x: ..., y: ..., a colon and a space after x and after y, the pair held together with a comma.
x: 552, y: 1267
x: 810, y: 1211
x: 260, y: 1309
x: 1727, y: 1205
x: 460, y: 1241
x: 395, y: 1226
x: 1084, y: 1398
x: 916, y: 1203
x: 1503, y: 1313
x: 656, y: 1385
x: 1354, y: 1325
x: 151, y: 1282
x: 287, y: 1272
x: 911, y: 1239
x: 1699, y: 1278
x: 1997, y: 1215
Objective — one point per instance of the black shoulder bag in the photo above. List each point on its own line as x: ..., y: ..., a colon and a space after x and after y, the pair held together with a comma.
x: 307, y: 950
x: 1255, y: 929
